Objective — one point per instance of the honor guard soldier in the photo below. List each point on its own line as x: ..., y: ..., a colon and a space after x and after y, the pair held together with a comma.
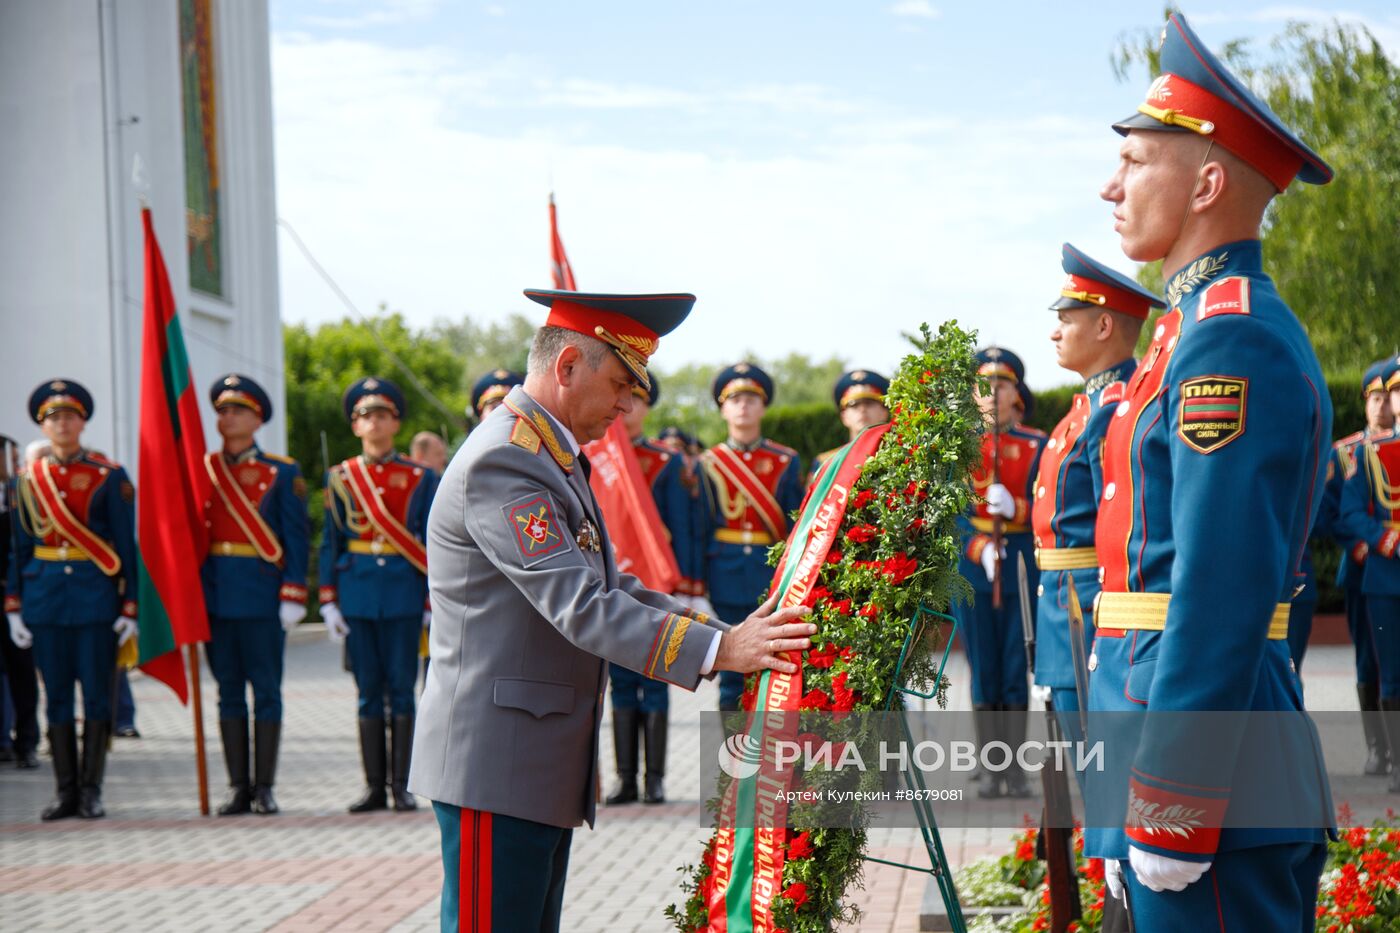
x: 751, y: 485
x: 1368, y: 527
x: 254, y: 585
x: 530, y: 608
x: 640, y: 705
x: 72, y: 584
x: 21, y: 680
x: 1100, y: 314
x: 1214, y: 465
x: 860, y: 400
x: 374, y: 584
x: 1342, y: 466
x: 491, y: 390
x: 991, y: 624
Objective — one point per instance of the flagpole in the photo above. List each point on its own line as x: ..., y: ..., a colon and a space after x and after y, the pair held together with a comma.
x: 197, y: 708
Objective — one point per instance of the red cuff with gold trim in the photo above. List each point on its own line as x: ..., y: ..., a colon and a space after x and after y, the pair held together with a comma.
x: 292, y: 593
x: 975, y: 545
x: 1359, y: 552
x: 1023, y: 511
x: 1175, y: 817
x: 1387, y: 543
x: 11, y: 603
x: 326, y: 595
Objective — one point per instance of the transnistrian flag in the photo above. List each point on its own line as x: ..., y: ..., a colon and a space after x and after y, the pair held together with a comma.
x: 562, y: 271
x: 169, y: 529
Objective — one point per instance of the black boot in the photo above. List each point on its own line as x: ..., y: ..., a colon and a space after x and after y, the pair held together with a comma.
x: 402, y: 742
x: 372, y: 754
x: 986, y: 720
x: 95, y: 738
x: 1377, y: 747
x: 626, y: 723
x: 234, y: 735
x: 654, y: 727
x: 1390, y: 719
x: 266, y: 736
x: 63, y: 744
x: 1013, y: 733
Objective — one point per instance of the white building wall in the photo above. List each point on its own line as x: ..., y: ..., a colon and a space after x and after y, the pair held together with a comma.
x: 86, y: 86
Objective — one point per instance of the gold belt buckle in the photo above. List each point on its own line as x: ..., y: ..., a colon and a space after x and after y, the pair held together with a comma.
x: 376, y: 547
x: 63, y: 552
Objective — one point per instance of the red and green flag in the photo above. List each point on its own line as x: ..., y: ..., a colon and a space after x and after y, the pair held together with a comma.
x: 561, y: 270
x: 169, y: 528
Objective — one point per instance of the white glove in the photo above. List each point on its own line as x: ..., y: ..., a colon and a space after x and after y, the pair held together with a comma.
x: 291, y: 613
x: 19, y: 633
x: 1113, y: 877
x: 125, y: 627
x: 1041, y: 693
x: 335, y: 622
x: 989, y: 558
x: 427, y: 617
x: 1000, y: 501
x: 1160, y: 873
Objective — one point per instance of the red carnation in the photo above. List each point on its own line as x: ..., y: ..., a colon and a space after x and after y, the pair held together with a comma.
x: 900, y: 567
x: 822, y: 658
x: 870, y: 611
x: 862, y: 499
x: 819, y: 593
x: 847, y: 653
x: 862, y: 534
x: 800, y: 846
x: 833, y: 557
x: 842, y: 698
x: 797, y: 893
x: 815, y: 699
x: 843, y: 606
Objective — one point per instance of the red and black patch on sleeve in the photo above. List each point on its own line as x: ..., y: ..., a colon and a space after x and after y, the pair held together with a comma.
x: 1212, y: 411
x: 536, y: 527
x: 1227, y: 296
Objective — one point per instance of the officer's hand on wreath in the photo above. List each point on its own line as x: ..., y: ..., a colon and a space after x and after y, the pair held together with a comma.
x: 1160, y: 873
x: 335, y: 622
x: 756, y: 643
x: 126, y: 629
x: 19, y: 632
x: 1000, y: 502
x: 989, y: 560
x: 1113, y: 877
x: 291, y: 613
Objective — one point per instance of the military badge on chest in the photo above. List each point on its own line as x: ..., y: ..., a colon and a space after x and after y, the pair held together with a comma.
x: 588, y: 537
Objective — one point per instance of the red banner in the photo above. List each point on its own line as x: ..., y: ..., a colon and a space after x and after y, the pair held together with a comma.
x: 562, y: 272
x: 634, y: 525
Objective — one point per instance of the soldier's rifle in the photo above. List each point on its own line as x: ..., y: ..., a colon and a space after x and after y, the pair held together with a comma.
x: 1056, y: 841
x: 998, y: 527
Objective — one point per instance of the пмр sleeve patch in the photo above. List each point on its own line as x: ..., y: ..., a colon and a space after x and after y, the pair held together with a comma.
x: 1212, y: 411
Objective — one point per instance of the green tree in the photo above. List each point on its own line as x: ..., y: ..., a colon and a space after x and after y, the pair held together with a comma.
x: 1333, y: 250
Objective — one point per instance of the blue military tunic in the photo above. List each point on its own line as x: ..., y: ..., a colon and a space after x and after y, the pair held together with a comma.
x: 1369, y: 515
x: 1209, y: 494
x: 994, y: 639
x: 380, y: 591
x: 62, y: 593
x: 665, y: 474
x: 1067, y: 493
x: 1353, y: 561
x: 245, y: 584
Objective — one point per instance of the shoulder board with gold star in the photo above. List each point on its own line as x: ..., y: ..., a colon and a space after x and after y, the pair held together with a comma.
x: 279, y: 458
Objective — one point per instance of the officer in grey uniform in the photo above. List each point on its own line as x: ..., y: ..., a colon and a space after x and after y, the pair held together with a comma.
x: 528, y: 608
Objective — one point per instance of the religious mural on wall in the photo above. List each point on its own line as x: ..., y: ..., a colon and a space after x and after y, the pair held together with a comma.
x: 203, y: 224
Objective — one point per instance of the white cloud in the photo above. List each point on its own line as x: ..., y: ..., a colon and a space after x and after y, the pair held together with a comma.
x: 919, y: 9
x: 832, y: 247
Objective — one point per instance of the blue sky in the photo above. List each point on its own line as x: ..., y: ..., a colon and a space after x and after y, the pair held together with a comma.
x: 822, y: 175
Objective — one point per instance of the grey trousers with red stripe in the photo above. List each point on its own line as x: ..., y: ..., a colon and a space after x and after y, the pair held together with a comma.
x: 500, y: 874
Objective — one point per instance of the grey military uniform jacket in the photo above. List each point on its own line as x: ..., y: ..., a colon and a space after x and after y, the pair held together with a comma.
x: 528, y: 606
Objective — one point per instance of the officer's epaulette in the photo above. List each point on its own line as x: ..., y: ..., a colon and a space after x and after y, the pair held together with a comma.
x: 1351, y: 440
x: 779, y: 448
x: 1114, y: 392
x: 279, y: 458
x: 99, y: 459
x: 1227, y: 296
x: 533, y: 433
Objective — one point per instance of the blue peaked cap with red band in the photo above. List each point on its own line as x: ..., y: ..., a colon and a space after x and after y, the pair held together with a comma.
x: 999, y: 362
x: 371, y: 393
x: 1196, y: 93
x: 494, y: 385
x: 743, y: 377
x: 1091, y: 284
x: 1376, y: 375
x: 60, y: 395
x: 238, y: 389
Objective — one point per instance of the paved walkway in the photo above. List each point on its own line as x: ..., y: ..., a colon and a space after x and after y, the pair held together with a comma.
x: 154, y: 864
